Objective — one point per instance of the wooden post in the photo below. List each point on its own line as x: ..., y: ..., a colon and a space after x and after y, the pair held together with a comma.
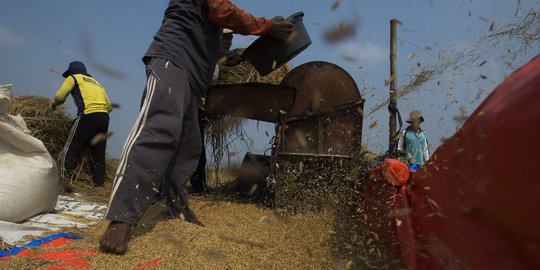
x: 393, y: 84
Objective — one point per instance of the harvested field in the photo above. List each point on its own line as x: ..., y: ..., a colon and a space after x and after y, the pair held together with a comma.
x: 238, y: 235
x: 315, y: 226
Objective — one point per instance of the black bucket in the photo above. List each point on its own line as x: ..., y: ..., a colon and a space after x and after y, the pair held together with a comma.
x: 267, y: 53
x: 251, y: 180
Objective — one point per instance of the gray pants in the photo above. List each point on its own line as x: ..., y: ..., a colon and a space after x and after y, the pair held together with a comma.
x: 162, y: 150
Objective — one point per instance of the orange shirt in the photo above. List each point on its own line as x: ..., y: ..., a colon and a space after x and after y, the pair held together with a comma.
x: 227, y: 15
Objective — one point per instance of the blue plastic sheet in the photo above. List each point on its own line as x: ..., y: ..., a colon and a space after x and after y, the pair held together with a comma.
x: 36, y: 243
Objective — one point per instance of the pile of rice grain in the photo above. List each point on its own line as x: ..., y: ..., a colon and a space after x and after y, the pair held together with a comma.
x: 236, y: 236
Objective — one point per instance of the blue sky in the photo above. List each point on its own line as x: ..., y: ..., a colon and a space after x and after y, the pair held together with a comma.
x: 36, y: 35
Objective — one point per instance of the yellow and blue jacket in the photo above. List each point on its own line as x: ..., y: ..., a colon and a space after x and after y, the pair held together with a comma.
x: 88, y: 94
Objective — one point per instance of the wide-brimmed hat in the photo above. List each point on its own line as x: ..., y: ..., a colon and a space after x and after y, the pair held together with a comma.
x: 75, y: 67
x: 415, y: 115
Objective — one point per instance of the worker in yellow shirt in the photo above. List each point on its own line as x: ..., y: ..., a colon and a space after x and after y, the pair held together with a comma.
x: 92, y: 122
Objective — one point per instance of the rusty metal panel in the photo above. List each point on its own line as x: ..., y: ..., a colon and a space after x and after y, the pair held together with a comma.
x: 257, y: 101
x: 300, y: 136
x: 342, y: 131
x: 320, y: 86
x: 337, y: 133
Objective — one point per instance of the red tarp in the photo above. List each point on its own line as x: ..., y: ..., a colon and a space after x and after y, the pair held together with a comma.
x: 476, y: 204
x: 68, y: 259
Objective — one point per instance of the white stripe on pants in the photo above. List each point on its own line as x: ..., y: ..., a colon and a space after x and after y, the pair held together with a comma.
x: 134, y: 134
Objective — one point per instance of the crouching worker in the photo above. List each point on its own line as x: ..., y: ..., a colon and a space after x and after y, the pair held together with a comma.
x: 91, y: 124
x: 165, y: 142
x: 393, y: 171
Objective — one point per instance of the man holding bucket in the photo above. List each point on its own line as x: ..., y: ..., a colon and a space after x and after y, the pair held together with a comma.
x: 165, y: 141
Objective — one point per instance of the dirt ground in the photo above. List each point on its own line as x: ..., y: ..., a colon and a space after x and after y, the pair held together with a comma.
x: 237, y: 235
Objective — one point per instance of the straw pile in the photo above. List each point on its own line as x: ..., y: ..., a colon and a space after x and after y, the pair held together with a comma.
x: 52, y: 128
x: 246, y: 73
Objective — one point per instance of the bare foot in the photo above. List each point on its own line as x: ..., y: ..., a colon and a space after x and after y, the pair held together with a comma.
x: 115, y: 238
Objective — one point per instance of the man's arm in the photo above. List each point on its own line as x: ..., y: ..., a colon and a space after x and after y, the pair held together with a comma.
x: 426, y: 148
x: 64, y: 91
x: 226, y: 15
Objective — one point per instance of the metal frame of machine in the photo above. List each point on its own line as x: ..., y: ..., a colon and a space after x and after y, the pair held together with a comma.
x: 318, y: 112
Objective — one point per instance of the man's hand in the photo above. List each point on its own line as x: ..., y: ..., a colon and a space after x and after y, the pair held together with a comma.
x: 400, y: 154
x: 234, y: 57
x: 280, y: 28
x: 240, y: 50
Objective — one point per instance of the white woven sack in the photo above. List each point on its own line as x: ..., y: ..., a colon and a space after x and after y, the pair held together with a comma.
x: 28, y: 174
